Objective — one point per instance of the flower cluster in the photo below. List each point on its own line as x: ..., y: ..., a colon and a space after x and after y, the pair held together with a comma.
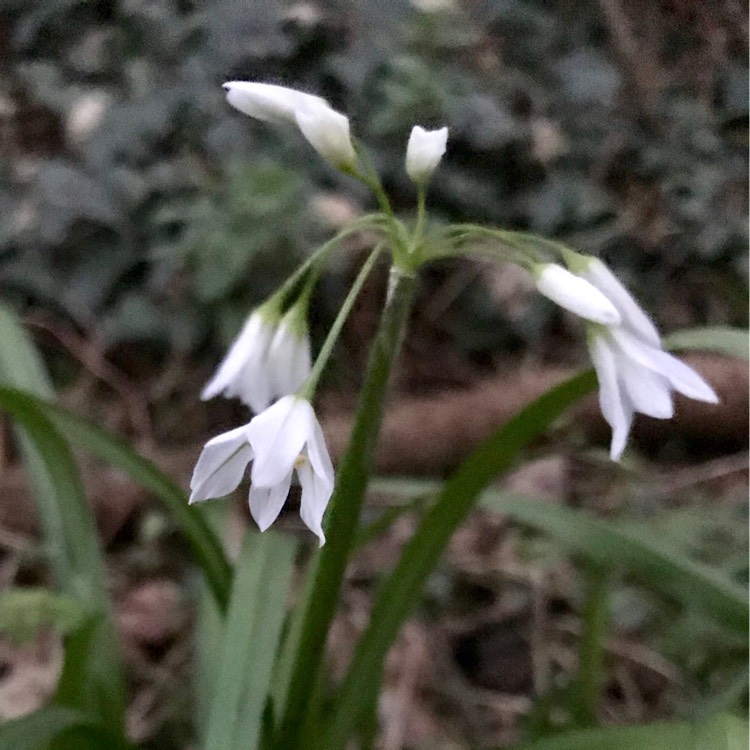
x: 270, y: 358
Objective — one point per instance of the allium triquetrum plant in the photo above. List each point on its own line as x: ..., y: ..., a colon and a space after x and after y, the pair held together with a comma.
x: 270, y: 360
x: 261, y: 678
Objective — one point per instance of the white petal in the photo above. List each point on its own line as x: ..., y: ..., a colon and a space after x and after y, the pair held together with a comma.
x: 241, y: 372
x: 575, y: 294
x: 648, y: 391
x: 221, y: 465
x: 328, y: 133
x: 685, y: 379
x: 289, y: 360
x: 424, y: 151
x: 316, y: 493
x: 615, y: 404
x: 266, y: 502
x: 252, y: 386
x: 632, y: 314
x: 278, y: 435
x: 264, y: 101
x: 317, y: 452
x: 682, y: 378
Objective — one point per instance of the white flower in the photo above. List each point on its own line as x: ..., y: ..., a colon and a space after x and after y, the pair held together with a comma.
x: 283, y: 439
x: 325, y: 129
x: 635, y: 373
x: 424, y: 151
x: 265, y: 361
x: 575, y: 294
x: 287, y: 437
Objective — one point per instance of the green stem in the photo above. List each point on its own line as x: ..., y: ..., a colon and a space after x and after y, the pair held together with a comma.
x: 398, y: 234
x: 419, y: 226
x: 523, y: 242
x: 330, y: 561
x: 593, y: 635
x: 320, y: 255
x: 308, y: 388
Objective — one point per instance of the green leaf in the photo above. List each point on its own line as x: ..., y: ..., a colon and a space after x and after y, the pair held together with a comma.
x: 70, y: 532
x: 52, y: 726
x: 86, y: 683
x: 607, y: 543
x: 634, y: 549
x: 206, y: 546
x: 24, y: 611
x: 400, y: 591
x: 718, y: 733
x: 257, y: 611
x: 720, y: 339
x: 204, y: 543
x: 20, y: 364
x: 210, y: 631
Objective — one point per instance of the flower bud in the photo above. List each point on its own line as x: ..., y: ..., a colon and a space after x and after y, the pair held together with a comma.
x: 424, y: 151
x: 326, y: 130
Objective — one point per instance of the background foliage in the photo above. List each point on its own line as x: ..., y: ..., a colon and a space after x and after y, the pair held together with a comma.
x: 137, y: 203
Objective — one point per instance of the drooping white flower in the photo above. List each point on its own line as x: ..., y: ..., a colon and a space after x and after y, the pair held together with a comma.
x: 424, y: 151
x: 265, y: 361
x: 284, y: 439
x: 326, y: 130
x: 575, y: 294
x: 635, y: 374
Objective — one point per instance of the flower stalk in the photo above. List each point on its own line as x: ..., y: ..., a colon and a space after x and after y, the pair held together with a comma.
x: 330, y: 562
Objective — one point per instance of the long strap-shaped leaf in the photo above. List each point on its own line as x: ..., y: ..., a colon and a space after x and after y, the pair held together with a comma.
x: 400, y: 591
x: 204, y: 543
x: 72, y: 540
x: 70, y: 533
x: 633, y: 549
x: 53, y: 725
x: 254, y: 623
x: 719, y: 733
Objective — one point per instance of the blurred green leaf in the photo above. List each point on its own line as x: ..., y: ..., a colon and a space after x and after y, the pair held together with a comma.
x: 206, y: 546
x: 73, y: 546
x: 20, y: 363
x: 625, y: 545
x: 256, y: 614
x: 721, y: 339
x: 86, y: 683
x: 24, y: 611
x: 46, y: 728
x: 719, y: 733
x: 631, y: 547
